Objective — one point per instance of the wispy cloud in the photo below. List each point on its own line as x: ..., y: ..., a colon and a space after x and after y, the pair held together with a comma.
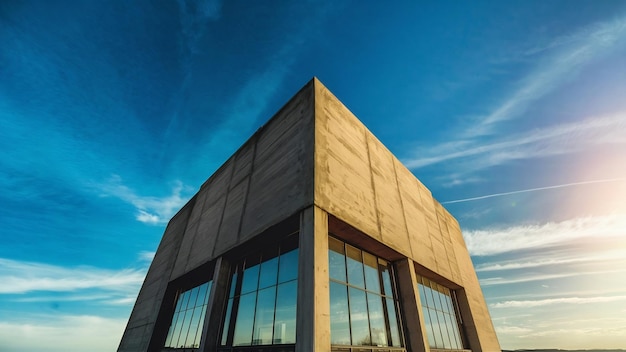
x: 567, y: 54
x: 552, y: 260
x: 66, y: 298
x: 52, y: 333
x: 532, y: 190
x: 482, y: 145
x: 544, y: 277
x: 149, y: 209
x: 23, y: 277
x: 552, y: 301
x: 194, y: 17
x: 554, y: 140
x: 255, y: 95
x: 146, y: 256
x: 507, y: 329
x: 514, y: 238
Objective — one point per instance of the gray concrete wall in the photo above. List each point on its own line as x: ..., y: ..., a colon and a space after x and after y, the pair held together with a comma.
x: 141, y: 323
x: 360, y: 182
x: 267, y: 180
x: 264, y: 182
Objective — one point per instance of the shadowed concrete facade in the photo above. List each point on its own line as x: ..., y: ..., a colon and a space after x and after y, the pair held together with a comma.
x: 313, y: 169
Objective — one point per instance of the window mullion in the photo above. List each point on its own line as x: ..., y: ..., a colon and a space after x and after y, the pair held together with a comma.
x: 235, y: 307
x: 256, y: 299
x: 367, y: 303
x: 345, y: 260
x: 276, y: 294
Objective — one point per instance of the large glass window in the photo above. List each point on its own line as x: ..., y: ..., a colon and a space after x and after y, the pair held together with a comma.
x: 261, y: 308
x: 363, y: 303
x: 438, y: 306
x: 186, y: 327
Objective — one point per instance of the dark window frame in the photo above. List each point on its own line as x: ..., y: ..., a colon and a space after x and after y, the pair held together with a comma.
x: 236, y: 277
x: 196, y: 277
x: 189, y: 306
x: 453, y: 311
x: 384, y: 296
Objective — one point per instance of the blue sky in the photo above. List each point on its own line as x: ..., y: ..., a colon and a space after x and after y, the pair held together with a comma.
x: 113, y: 113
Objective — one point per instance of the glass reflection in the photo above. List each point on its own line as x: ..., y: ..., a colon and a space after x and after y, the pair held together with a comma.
x: 355, y: 267
x: 378, y: 331
x: 188, y: 318
x: 339, y: 323
x: 288, y: 268
x: 198, y: 334
x: 229, y: 309
x: 362, y: 298
x: 285, y: 319
x: 439, y: 315
x: 264, y: 317
x: 393, y: 323
x: 386, y: 276
x: 245, y: 320
x: 372, y: 281
x: 359, y: 326
x: 250, y: 279
x: 262, y: 305
x: 268, y: 274
x: 336, y: 260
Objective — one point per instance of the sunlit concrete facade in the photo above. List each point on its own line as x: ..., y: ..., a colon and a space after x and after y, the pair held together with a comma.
x: 276, y: 251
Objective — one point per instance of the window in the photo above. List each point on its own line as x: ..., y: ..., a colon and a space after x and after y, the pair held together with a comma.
x: 363, y: 303
x: 185, y: 330
x: 261, y: 307
x: 439, y: 315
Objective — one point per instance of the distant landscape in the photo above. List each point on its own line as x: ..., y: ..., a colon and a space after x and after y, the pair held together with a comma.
x: 559, y: 350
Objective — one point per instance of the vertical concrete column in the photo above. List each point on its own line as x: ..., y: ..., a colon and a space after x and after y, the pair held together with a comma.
x: 416, y: 340
x: 468, y: 322
x: 215, y: 306
x: 313, y: 317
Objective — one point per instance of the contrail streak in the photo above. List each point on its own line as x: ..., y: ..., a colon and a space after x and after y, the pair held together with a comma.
x: 532, y: 190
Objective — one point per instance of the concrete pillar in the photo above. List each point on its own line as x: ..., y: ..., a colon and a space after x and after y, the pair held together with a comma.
x: 313, y: 316
x: 215, y: 306
x: 416, y: 340
x: 469, y: 330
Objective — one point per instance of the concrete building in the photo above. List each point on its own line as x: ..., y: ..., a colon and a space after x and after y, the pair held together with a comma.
x: 311, y: 237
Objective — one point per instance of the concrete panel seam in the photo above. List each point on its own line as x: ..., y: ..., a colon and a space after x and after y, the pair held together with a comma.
x: 228, y: 193
x: 369, y: 164
x: 178, y: 245
x: 406, y: 226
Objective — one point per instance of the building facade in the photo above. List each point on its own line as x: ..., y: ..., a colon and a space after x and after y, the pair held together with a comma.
x: 311, y: 237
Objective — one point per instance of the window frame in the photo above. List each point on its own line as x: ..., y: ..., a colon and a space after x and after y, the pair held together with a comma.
x: 236, y: 278
x: 178, y: 310
x: 368, y: 292
x: 452, y: 311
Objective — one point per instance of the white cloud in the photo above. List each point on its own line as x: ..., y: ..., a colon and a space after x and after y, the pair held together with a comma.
x: 149, y: 209
x: 552, y: 301
x: 541, y: 277
x: 512, y: 330
x: 551, y: 259
x: 144, y: 216
x: 531, y: 190
x: 66, y: 333
x: 67, y: 298
x: 572, y: 52
x: 553, y: 140
x: 124, y: 301
x: 22, y: 277
x: 560, y: 61
x: 146, y: 256
x: 502, y: 240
